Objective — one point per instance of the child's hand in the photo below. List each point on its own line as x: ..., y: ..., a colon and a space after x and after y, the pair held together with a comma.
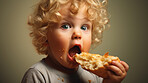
x: 117, y: 72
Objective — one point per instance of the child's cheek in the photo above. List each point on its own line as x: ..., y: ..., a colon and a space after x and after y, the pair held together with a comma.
x: 57, y: 41
x: 87, y: 43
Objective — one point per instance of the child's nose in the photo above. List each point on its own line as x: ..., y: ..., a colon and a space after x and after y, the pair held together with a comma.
x: 77, y: 34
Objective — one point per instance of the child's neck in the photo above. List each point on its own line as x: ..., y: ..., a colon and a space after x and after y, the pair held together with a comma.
x: 53, y: 63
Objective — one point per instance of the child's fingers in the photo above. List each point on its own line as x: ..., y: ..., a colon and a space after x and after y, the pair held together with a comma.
x: 115, y: 70
x: 125, y: 65
x: 119, y: 65
x: 111, y: 74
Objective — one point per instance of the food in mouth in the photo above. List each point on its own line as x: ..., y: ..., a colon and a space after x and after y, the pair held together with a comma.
x: 73, y: 51
x: 95, y: 63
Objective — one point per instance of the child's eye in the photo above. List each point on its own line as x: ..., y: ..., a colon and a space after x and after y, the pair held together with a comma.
x: 84, y: 27
x: 66, y: 26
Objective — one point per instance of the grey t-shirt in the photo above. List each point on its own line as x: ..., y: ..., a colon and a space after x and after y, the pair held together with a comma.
x: 42, y: 73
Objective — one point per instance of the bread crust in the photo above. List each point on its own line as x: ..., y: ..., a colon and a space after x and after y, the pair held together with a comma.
x: 95, y: 63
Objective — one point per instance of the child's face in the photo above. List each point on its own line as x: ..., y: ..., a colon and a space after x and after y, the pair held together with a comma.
x: 70, y: 36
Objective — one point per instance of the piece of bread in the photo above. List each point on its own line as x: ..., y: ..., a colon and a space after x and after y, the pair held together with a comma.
x: 95, y: 63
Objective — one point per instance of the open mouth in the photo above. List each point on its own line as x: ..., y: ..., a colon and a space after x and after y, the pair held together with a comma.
x: 74, y: 50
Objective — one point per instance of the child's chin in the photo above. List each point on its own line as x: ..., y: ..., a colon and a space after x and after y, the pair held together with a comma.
x: 73, y: 66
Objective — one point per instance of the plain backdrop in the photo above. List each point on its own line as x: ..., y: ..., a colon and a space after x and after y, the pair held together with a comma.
x: 127, y: 38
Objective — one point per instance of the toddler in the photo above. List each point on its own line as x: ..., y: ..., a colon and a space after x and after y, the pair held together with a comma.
x: 62, y: 28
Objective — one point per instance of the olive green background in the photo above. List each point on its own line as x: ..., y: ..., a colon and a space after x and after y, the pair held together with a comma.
x: 127, y: 38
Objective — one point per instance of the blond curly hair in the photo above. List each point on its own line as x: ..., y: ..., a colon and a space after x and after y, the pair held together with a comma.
x: 46, y: 15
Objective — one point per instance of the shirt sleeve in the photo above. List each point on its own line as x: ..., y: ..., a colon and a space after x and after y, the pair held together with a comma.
x: 33, y: 76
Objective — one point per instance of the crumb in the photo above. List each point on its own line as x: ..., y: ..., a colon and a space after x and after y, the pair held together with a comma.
x: 89, y: 81
x: 62, y: 80
x: 58, y: 78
